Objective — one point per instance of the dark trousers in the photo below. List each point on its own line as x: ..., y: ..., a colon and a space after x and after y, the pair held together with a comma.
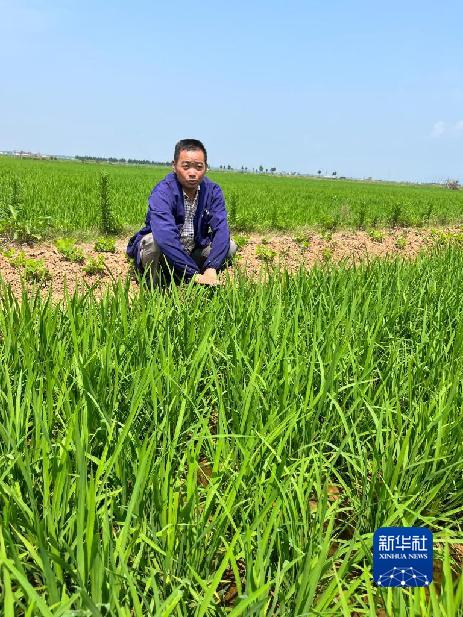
x: 155, y: 264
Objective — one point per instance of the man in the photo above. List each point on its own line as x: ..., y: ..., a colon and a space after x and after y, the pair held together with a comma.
x: 186, y: 223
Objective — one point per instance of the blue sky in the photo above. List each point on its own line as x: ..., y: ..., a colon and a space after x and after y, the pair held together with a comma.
x: 362, y: 88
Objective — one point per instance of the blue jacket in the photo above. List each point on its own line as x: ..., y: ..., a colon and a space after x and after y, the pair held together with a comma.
x: 166, y: 215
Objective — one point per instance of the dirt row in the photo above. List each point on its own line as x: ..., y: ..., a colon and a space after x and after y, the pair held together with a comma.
x: 256, y: 252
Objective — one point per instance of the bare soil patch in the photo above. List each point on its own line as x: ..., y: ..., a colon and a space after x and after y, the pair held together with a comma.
x: 287, y: 251
x: 342, y: 246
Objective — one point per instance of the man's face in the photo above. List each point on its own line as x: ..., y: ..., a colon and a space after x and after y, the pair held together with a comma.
x: 190, y: 169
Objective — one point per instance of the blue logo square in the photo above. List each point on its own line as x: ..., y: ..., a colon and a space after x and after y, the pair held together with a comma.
x: 402, y: 557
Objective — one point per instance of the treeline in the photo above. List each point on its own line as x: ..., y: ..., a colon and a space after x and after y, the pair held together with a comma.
x: 112, y: 159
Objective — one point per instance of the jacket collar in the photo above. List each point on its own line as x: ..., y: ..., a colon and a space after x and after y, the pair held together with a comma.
x: 178, y: 188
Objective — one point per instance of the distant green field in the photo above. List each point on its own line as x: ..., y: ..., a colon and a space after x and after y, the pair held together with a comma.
x: 68, y: 193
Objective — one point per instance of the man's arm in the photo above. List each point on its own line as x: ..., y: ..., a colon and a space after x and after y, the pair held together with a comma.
x: 165, y: 232
x: 220, y: 244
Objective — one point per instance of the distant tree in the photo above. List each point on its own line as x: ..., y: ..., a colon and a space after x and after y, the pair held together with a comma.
x: 261, y: 169
x: 229, y: 167
x: 335, y: 173
x: 266, y: 171
x: 319, y: 172
x: 273, y: 169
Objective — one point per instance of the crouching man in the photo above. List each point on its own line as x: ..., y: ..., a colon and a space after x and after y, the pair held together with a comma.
x: 186, y: 224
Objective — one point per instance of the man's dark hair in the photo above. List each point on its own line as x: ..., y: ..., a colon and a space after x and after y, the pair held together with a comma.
x: 188, y: 144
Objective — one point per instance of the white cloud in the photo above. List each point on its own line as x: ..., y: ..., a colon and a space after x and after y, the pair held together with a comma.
x: 438, y: 129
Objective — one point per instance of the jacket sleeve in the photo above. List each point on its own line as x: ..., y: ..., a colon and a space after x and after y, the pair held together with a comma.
x: 220, y: 244
x: 166, y: 234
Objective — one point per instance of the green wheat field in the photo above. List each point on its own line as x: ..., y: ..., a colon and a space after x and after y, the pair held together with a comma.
x: 230, y: 451
x: 68, y: 194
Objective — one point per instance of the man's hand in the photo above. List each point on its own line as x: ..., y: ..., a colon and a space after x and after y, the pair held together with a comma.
x: 208, y: 277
